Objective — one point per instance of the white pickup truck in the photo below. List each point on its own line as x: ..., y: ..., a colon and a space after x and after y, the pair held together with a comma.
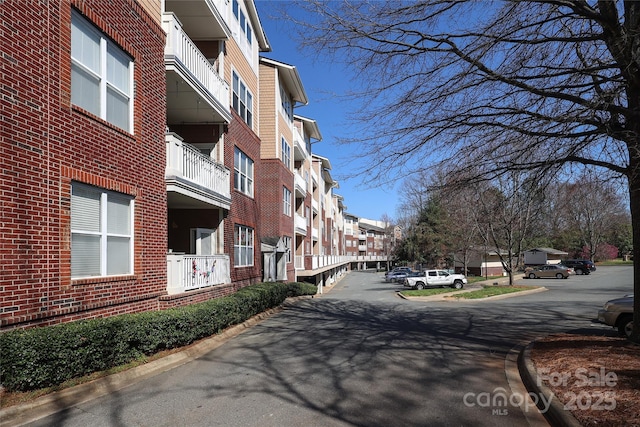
x: 436, y: 279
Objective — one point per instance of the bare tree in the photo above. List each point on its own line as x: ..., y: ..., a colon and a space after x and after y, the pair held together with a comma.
x: 505, y: 212
x: 497, y: 86
x: 591, y: 214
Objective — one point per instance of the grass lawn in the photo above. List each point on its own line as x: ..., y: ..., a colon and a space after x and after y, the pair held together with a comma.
x: 426, y: 292
x: 490, y: 291
x: 474, y: 279
x: 614, y: 262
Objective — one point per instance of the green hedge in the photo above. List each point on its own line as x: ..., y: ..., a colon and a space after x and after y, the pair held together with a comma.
x: 35, y: 358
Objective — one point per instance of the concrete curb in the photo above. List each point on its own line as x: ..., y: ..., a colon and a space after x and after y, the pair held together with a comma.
x: 52, y: 403
x: 534, y: 417
x: 449, y: 296
x: 555, y: 414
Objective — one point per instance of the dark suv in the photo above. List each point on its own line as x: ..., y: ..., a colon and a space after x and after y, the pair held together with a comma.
x: 580, y: 266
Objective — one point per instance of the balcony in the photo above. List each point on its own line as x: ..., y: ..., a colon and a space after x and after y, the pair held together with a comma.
x: 300, y: 186
x: 194, y: 181
x: 201, y: 19
x: 300, y: 225
x: 314, y: 233
x: 196, y: 93
x: 301, y: 150
x: 362, y: 248
x: 189, y: 272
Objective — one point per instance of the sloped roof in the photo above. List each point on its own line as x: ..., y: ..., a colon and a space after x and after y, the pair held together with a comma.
x: 550, y: 251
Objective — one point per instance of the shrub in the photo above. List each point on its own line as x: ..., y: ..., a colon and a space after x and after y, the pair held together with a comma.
x: 48, y: 356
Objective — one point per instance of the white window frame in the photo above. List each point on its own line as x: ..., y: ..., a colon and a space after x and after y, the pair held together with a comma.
x: 105, y: 76
x: 245, y: 41
x: 99, y: 228
x: 286, y: 105
x: 287, y: 244
x: 243, y: 238
x: 242, y: 101
x: 243, y: 172
x: 286, y: 200
x: 286, y: 153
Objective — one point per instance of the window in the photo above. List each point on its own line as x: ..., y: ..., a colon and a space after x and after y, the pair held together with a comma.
x: 243, y: 246
x: 242, y: 100
x: 101, y: 75
x: 286, y: 106
x: 287, y: 244
x: 286, y: 199
x: 245, y: 26
x: 101, y: 232
x: 286, y: 153
x: 242, y: 173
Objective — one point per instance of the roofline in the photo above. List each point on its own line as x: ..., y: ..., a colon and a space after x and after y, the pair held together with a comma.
x: 258, y: 31
x: 291, y: 77
x: 311, y: 125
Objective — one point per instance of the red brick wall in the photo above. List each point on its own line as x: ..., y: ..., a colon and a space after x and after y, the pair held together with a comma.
x: 47, y: 143
x: 244, y: 209
x: 273, y: 177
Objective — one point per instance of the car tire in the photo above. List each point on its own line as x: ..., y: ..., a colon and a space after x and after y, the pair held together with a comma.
x: 560, y: 276
x: 458, y: 284
x: 532, y: 276
x: 420, y: 286
x: 579, y: 271
x: 625, y: 325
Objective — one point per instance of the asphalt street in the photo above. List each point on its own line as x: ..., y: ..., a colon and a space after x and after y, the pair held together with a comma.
x: 359, y: 355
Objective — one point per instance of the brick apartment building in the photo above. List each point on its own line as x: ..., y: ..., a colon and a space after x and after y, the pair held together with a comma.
x: 152, y: 158
x: 82, y: 178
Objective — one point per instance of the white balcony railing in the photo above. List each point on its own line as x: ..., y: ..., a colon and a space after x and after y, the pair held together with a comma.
x: 183, y: 53
x: 188, y: 272
x: 300, y: 224
x: 314, y: 233
x: 321, y: 261
x: 186, y: 161
x: 301, y: 185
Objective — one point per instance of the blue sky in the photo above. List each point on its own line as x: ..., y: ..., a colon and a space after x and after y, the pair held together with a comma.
x: 320, y: 80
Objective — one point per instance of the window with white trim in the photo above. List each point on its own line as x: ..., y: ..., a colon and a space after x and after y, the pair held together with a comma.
x: 101, y: 74
x: 243, y: 246
x: 287, y: 244
x: 245, y: 25
x: 242, y: 101
x: 242, y: 172
x: 101, y: 232
x: 286, y: 200
x: 286, y: 153
x: 286, y: 105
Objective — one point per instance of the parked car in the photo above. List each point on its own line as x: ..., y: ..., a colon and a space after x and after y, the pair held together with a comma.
x: 580, y: 266
x: 619, y: 314
x: 397, y: 276
x: 398, y: 273
x: 552, y: 270
x: 435, y: 279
